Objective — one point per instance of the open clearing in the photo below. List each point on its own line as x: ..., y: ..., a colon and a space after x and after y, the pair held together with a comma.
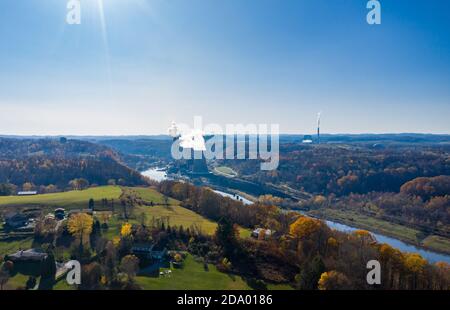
x: 69, y: 200
x: 175, y: 215
x: 193, y: 276
x: 151, y: 195
x: 178, y: 216
x: 438, y: 243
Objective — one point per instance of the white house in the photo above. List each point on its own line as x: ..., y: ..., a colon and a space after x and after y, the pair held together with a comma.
x: 27, y: 193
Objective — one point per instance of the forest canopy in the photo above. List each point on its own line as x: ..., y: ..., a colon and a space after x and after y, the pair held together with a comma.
x: 57, y: 162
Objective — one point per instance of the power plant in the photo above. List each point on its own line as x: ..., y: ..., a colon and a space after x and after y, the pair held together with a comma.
x: 318, y: 127
x: 308, y: 139
x: 195, y: 142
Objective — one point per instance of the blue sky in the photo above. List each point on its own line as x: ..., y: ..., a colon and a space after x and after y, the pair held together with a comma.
x: 230, y: 61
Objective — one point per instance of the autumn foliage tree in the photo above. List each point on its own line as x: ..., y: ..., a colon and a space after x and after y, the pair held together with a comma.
x: 428, y: 187
x: 226, y: 236
x: 126, y: 230
x: 310, y: 274
x: 304, y: 250
x: 334, y: 280
x: 129, y: 265
x: 442, y: 276
x: 91, y: 275
x: 415, y: 266
x: 304, y: 227
x: 80, y: 226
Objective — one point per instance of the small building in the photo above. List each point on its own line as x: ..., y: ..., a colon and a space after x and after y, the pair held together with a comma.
x: 27, y: 193
x: 60, y: 214
x: 16, y: 220
x: 307, y: 139
x: 159, y: 255
x: 150, y: 259
x: 148, y: 252
x: 143, y: 250
x: 257, y: 232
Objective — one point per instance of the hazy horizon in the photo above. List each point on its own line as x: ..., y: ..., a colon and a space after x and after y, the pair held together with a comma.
x: 132, y: 67
x: 325, y: 134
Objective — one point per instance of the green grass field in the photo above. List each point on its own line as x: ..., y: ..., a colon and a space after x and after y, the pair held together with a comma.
x: 178, y: 216
x: 14, y: 246
x: 244, y: 232
x: 437, y: 242
x: 69, y: 200
x: 151, y: 195
x: 62, y: 285
x: 194, y: 277
x: 18, y: 281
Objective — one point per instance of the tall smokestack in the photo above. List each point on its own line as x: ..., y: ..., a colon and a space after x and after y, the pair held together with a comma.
x: 318, y: 127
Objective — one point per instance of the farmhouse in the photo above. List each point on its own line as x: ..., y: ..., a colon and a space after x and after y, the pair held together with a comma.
x: 147, y: 251
x: 258, y: 231
x: 143, y: 250
x: 27, y: 193
x: 150, y: 259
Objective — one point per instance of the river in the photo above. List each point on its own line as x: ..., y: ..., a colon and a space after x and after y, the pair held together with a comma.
x: 235, y: 197
x: 158, y: 175
x: 403, y: 246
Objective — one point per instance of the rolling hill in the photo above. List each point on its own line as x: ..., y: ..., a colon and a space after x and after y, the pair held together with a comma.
x: 58, y: 161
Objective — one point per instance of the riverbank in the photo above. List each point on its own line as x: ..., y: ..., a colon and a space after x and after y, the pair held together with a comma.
x: 433, y: 248
x: 402, y: 233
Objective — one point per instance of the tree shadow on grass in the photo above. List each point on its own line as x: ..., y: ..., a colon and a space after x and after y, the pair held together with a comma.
x: 46, y: 284
x: 256, y: 284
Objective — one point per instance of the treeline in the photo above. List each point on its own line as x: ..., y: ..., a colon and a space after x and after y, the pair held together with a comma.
x: 140, y: 154
x: 430, y: 217
x: 422, y: 204
x: 303, y: 251
x: 345, y: 169
x: 215, y: 207
x: 25, y: 148
x: 427, y: 188
x: 54, y: 162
